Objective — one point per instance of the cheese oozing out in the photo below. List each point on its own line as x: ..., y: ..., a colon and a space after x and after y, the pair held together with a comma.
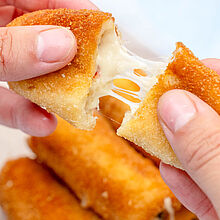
x: 169, y: 208
x: 116, y: 67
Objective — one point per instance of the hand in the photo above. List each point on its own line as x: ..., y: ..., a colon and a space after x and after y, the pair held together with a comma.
x: 27, y: 52
x: 193, y: 129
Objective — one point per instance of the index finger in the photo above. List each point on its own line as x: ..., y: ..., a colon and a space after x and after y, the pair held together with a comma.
x: 34, y: 5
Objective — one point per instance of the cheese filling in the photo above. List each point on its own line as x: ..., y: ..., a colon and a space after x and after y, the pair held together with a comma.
x: 114, y: 64
x: 169, y: 208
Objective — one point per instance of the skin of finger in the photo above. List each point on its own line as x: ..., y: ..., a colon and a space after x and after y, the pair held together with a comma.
x: 33, y: 5
x: 3, y: 3
x: 17, y: 112
x: 188, y: 193
x: 213, y: 64
x: 6, y: 15
x: 197, y: 147
x: 20, y: 44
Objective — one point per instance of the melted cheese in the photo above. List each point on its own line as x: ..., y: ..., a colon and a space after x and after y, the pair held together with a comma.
x: 114, y: 61
x: 169, y: 208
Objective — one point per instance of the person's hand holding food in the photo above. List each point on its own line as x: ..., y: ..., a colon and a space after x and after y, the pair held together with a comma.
x: 31, y: 51
x: 193, y: 130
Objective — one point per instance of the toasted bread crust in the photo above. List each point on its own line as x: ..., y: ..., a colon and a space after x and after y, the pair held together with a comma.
x: 29, y: 192
x: 65, y: 91
x: 185, y: 71
x: 113, y: 109
x: 104, y: 171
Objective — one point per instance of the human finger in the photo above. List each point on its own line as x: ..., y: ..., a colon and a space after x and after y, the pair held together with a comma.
x: 193, y: 129
x: 30, y: 51
x: 188, y: 192
x: 17, y: 112
x: 212, y: 63
x: 6, y: 15
x: 34, y: 5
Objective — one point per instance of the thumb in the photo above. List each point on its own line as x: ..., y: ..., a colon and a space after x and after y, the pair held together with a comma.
x: 27, y: 52
x: 193, y: 129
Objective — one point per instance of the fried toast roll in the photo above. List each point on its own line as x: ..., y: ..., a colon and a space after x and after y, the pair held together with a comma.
x: 29, y: 192
x: 184, y: 71
x: 114, y: 110
x: 184, y: 214
x: 104, y: 171
x: 65, y: 92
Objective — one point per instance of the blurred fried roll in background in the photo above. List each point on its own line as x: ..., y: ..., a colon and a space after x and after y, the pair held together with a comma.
x: 114, y: 110
x: 104, y: 171
x: 29, y: 192
x: 185, y: 214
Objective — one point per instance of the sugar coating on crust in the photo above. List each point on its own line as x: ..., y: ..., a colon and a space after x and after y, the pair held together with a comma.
x: 65, y: 91
x: 185, y: 71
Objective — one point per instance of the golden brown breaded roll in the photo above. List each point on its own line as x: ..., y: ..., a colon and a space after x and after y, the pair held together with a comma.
x: 65, y: 92
x: 184, y: 214
x: 114, y: 110
x: 29, y: 192
x: 104, y: 171
x: 186, y: 72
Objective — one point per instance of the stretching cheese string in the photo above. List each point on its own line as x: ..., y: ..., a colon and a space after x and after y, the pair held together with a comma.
x: 129, y: 87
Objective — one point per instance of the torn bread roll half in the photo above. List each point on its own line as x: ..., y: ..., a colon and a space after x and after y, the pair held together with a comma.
x: 67, y: 92
x: 74, y: 91
x: 184, y: 71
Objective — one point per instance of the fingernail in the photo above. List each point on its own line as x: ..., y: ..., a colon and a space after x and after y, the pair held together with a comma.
x: 175, y: 110
x: 55, y: 45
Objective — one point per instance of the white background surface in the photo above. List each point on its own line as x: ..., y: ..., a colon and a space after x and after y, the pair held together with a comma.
x: 150, y: 28
x: 158, y: 24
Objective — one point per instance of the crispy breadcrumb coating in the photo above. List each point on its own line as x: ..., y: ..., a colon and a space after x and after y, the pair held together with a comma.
x: 29, y: 192
x: 104, y: 171
x: 65, y: 92
x: 185, y: 71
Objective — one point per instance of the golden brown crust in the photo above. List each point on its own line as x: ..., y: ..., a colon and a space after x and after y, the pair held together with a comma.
x: 186, y: 72
x: 29, y: 192
x: 195, y: 77
x: 104, y: 171
x: 65, y: 92
x: 114, y: 110
x: 185, y: 214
